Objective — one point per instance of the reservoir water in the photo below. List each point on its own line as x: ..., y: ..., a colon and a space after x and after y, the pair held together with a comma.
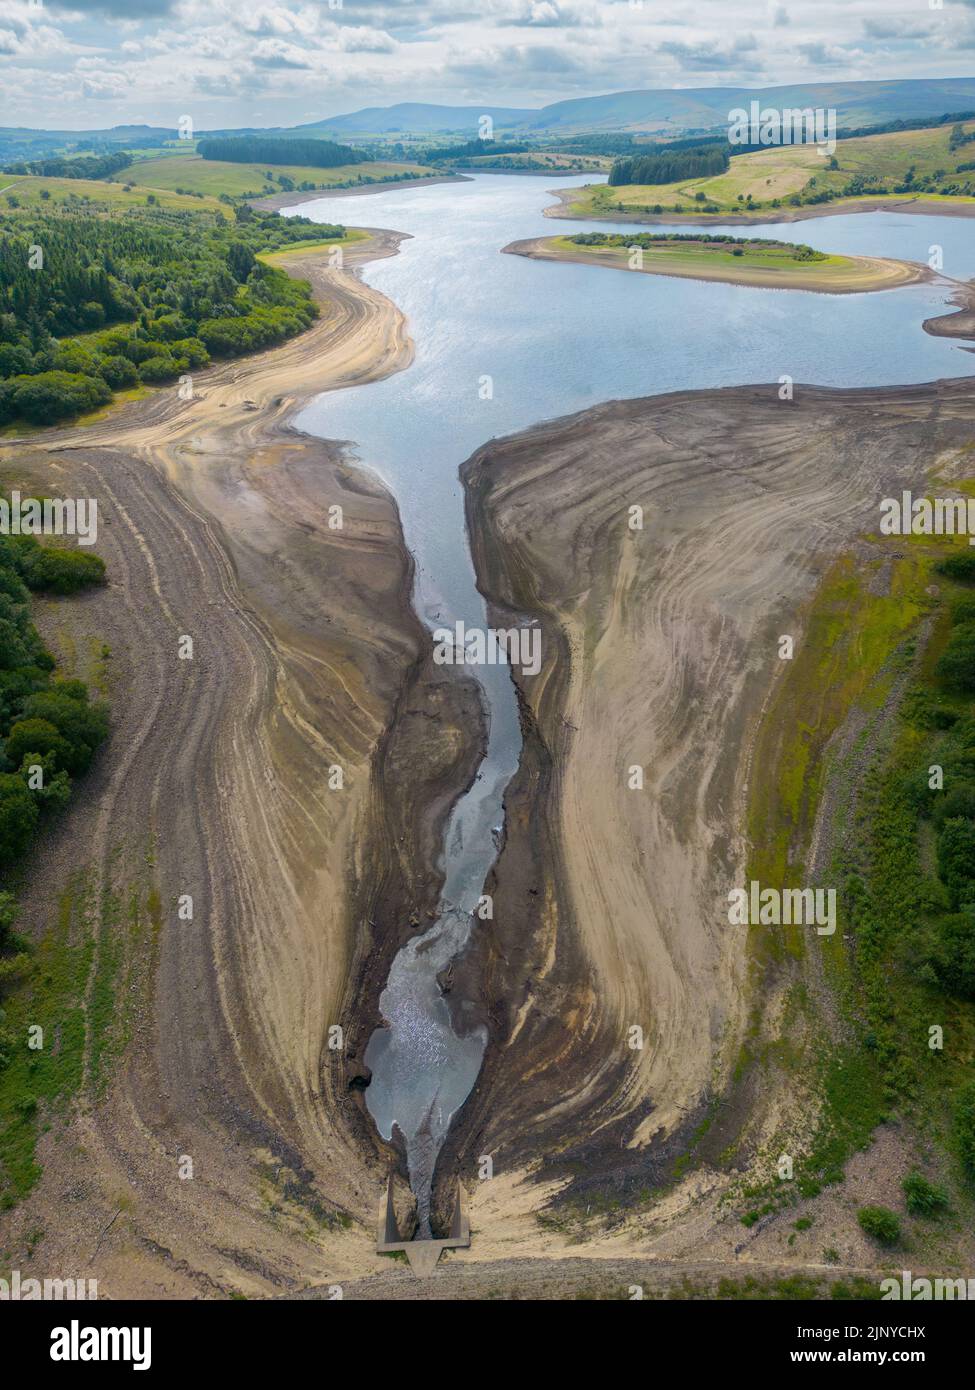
x: 502, y: 343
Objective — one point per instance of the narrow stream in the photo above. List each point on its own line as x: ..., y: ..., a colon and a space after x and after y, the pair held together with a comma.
x: 502, y: 343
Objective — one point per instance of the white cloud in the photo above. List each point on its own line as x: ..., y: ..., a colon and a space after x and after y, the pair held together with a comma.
x: 104, y: 86
x: 217, y: 55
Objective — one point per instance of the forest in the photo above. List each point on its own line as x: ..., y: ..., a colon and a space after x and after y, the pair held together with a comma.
x: 697, y: 162
x: 91, y: 305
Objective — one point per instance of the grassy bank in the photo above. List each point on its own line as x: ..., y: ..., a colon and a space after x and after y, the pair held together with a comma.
x: 283, y: 258
x: 861, y: 717
x: 83, y: 982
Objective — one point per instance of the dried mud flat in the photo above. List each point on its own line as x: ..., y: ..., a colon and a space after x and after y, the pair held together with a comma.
x: 659, y: 651
x: 215, y: 523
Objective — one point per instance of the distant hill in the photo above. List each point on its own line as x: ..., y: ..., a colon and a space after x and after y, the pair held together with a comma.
x: 689, y: 108
x: 23, y: 142
x: 421, y: 119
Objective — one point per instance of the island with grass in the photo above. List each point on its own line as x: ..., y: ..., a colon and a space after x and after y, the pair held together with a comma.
x: 754, y: 261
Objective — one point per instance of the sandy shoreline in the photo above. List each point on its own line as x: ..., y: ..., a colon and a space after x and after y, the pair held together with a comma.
x: 875, y: 272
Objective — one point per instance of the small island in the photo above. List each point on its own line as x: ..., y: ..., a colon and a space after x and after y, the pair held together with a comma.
x: 753, y: 261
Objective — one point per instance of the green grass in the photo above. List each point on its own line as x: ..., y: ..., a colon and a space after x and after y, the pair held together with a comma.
x: 84, y: 982
x: 302, y: 248
x: 541, y: 160
x: 781, y: 173
x: 840, y: 664
x: 874, y: 1059
x: 856, y: 637
x: 791, y: 1288
x: 36, y: 1083
x: 98, y: 194
x: 213, y: 177
x: 690, y: 256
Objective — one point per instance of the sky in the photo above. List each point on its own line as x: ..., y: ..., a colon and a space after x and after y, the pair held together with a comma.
x: 91, y: 64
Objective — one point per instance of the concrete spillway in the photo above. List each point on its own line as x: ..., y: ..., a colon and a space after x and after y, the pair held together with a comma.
x: 422, y: 1252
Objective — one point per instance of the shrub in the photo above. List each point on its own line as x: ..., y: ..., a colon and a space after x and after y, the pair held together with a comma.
x: 8, y: 916
x: 162, y: 368
x: 953, y: 954
x: 960, y: 567
x: 81, y: 725
x: 55, y: 395
x: 62, y: 571
x: 965, y: 1127
x: 924, y: 1198
x: 956, y: 859
x: 881, y: 1223
x: 191, y: 350
x: 35, y: 737
x: 960, y: 801
x: 118, y: 371
x: 18, y: 816
x: 956, y: 666
x: 962, y: 610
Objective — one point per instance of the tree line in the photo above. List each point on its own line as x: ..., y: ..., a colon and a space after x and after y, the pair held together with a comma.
x: 100, y: 166
x: 49, y: 730
x: 255, y: 149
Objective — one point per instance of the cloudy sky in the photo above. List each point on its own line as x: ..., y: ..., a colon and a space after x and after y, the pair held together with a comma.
x: 97, y: 63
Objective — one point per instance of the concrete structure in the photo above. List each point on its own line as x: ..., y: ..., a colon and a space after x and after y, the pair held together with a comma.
x: 422, y: 1254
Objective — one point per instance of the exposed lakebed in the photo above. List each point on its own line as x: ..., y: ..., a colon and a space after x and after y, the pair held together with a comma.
x: 503, y: 343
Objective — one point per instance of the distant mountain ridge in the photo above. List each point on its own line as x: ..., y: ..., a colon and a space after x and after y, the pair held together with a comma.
x: 684, y: 108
